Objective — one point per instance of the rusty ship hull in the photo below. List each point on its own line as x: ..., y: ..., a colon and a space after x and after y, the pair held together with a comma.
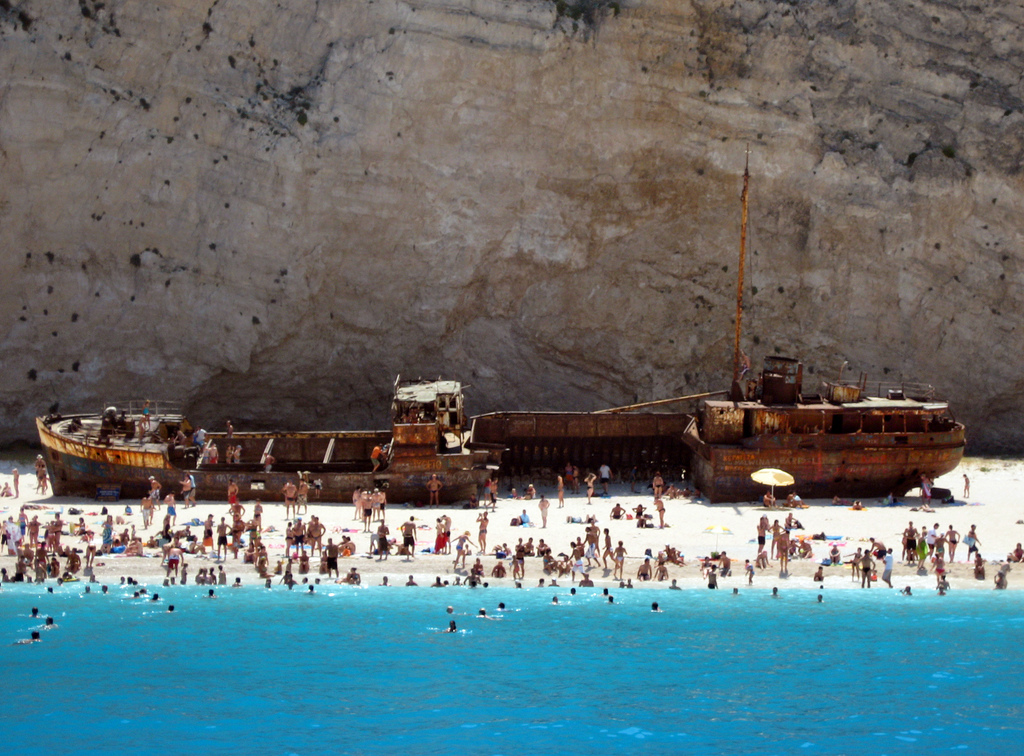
x: 543, y: 443
x: 843, y: 442
x: 84, y: 453
x: 872, y: 465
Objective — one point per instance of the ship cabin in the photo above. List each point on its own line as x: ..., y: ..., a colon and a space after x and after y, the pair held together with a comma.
x: 775, y: 404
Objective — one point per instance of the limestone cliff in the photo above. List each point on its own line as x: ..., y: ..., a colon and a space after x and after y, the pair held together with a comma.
x: 269, y: 209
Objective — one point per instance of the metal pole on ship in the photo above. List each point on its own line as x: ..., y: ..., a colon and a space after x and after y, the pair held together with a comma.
x: 739, y: 277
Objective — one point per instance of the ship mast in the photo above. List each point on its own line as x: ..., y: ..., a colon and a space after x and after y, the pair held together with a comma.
x: 739, y: 277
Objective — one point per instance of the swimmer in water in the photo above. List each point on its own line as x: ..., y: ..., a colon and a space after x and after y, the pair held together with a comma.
x: 170, y: 608
x: 49, y: 623
x: 211, y: 594
x: 451, y: 627
x: 554, y: 599
x: 775, y: 592
x: 34, y: 639
x: 655, y: 608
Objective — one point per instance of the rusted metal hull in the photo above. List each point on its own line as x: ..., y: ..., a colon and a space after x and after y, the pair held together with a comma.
x: 77, y: 468
x: 851, y: 466
x: 544, y: 442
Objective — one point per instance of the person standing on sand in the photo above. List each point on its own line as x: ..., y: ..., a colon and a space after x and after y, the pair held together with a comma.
x: 952, y: 539
x: 434, y: 486
x: 762, y: 529
x: 606, y: 476
x: 659, y: 505
x: 41, y: 480
x: 783, y: 542
x: 589, y: 480
x: 172, y: 509
x: 16, y: 476
x: 147, y: 512
x: 302, y: 495
x: 910, y: 543
x: 561, y: 492
x: 658, y: 484
x: 887, y: 568
x: 222, y: 538
x: 967, y: 492
x: 607, y: 548
x: 972, y: 543
x: 188, y: 490
x: 290, y: 491
x: 332, y: 557
x: 409, y: 538
x: 619, y: 555
x: 867, y: 564
x: 544, y: 504
x: 482, y: 534
x: 461, y: 550
x: 383, y: 547
x: 233, y: 493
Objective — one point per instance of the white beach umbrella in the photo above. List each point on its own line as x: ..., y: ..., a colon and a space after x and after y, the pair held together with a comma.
x: 718, y: 530
x: 771, y: 476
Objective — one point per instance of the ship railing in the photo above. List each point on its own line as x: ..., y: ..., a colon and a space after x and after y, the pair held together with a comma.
x: 157, y: 407
x: 901, y: 390
x: 895, y: 389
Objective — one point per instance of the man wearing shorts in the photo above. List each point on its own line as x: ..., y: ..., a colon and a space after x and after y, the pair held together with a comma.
x: 222, y: 537
x: 332, y: 558
x: 289, y: 490
x: 409, y: 537
x: 188, y: 490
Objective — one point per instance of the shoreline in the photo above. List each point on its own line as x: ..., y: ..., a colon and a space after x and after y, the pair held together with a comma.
x: 992, y: 508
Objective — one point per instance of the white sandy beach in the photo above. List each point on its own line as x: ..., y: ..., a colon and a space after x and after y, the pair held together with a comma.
x: 993, y: 507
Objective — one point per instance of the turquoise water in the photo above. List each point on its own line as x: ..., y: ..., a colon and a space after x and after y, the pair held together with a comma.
x: 363, y: 670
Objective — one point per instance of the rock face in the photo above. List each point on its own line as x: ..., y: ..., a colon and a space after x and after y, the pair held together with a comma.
x: 268, y: 210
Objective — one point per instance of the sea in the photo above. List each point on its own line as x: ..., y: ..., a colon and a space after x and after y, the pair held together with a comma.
x: 360, y: 670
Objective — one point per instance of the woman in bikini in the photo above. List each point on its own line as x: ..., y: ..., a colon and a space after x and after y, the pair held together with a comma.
x: 482, y: 535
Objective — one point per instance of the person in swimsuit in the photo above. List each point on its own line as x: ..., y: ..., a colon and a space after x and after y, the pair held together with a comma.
x: 383, y: 546
x: 952, y: 539
x: 460, y: 548
x: 222, y: 538
x: 409, y: 538
x: 619, y: 555
x: 173, y: 559
x: 289, y: 490
x: 972, y: 542
x: 482, y: 534
x: 434, y: 486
